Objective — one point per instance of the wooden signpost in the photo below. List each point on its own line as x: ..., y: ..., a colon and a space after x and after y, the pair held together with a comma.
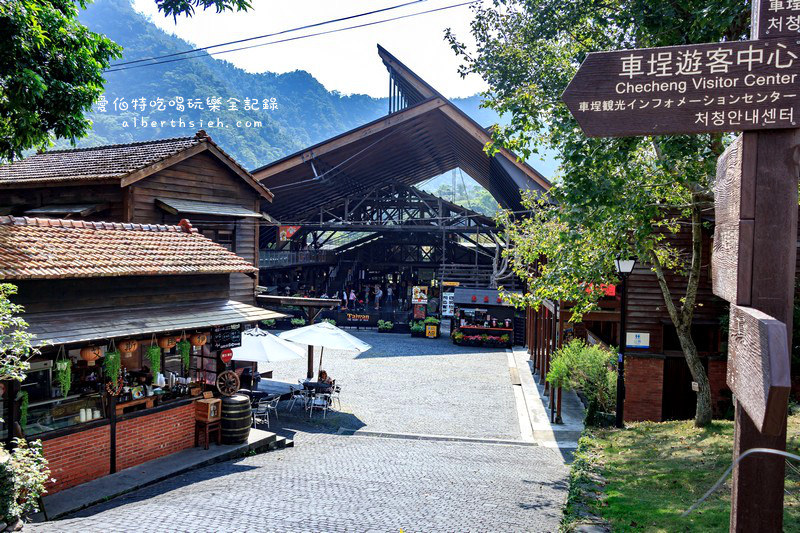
x: 753, y: 87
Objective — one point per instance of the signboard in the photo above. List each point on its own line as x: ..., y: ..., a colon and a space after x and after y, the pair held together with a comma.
x: 448, y: 304
x: 778, y: 18
x: 287, y: 232
x: 637, y: 339
x: 430, y: 331
x: 451, y: 283
x: 224, y: 337
x: 419, y: 294
x: 702, y: 88
x: 226, y: 355
x: 420, y: 311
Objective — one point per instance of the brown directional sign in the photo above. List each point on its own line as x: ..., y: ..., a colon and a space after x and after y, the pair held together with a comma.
x: 734, y: 209
x: 778, y: 18
x: 758, y: 367
x: 734, y: 86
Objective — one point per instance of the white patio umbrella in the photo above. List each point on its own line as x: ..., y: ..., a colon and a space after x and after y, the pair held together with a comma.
x: 325, y: 335
x: 259, y: 346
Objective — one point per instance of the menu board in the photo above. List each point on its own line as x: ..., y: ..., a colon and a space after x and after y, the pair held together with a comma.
x: 224, y: 337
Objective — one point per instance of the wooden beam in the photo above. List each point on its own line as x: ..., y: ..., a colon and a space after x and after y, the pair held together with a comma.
x: 349, y: 137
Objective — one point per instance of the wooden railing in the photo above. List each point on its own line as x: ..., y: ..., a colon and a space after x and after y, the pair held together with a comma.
x: 282, y: 258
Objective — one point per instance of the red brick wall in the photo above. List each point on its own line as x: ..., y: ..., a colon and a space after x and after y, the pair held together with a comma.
x: 644, y: 384
x: 717, y: 377
x: 78, y: 458
x: 85, y: 455
x: 149, y: 437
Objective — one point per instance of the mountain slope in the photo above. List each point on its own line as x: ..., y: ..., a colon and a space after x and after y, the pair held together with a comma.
x: 306, y: 112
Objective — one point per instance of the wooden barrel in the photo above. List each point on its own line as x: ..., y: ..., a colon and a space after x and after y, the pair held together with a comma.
x: 236, y: 419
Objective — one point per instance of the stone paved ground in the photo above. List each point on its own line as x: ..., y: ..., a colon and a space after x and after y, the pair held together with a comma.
x: 332, y: 482
x: 413, y: 385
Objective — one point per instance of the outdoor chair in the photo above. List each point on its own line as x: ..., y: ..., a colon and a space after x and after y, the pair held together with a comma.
x: 335, y: 397
x: 261, y: 412
x: 272, y: 406
x: 320, y: 401
x: 300, y: 396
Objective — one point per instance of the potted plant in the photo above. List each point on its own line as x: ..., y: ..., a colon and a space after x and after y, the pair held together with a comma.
x: 298, y: 322
x: 268, y: 323
x: 435, y: 322
x: 385, y: 326
x: 417, y: 329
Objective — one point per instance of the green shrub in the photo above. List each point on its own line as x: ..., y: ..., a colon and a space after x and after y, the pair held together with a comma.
x: 590, y: 369
x: 330, y: 321
x: 385, y: 325
x: 23, y: 474
x: 433, y: 321
x: 297, y: 322
x: 417, y: 327
x: 270, y: 322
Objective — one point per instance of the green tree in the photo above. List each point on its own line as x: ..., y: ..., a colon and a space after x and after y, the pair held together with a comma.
x: 50, y: 73
x: 621, y: 195
x: 186, y: 7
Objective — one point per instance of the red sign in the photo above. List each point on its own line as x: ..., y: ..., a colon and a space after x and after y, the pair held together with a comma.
x: 226, y: 355
x: 287, y: 232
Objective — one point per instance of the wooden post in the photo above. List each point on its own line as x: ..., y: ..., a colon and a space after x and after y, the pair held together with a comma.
x: 770, y: 160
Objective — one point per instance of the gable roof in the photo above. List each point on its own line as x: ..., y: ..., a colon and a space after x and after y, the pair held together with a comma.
x: 126, y: 163
x: 40, y: 248
x: 423, y: 136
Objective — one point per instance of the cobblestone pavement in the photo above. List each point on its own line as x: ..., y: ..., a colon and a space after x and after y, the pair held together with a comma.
x: 331, y: 482
x: 414, y: 385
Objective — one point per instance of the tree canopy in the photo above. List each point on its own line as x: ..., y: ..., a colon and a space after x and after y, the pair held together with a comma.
x: 612, y: 196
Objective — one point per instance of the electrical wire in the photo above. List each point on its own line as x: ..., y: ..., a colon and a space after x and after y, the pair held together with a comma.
x: 364, y: 25
x: 275, y: 34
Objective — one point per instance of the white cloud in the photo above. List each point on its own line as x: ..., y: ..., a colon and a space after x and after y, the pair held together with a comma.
x: 346, y: 61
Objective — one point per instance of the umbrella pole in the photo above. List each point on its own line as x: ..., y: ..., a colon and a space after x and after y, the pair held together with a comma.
x: 310, y: 373
x: 321, y: 349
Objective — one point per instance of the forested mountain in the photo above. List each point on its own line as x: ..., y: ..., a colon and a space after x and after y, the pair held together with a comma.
x: 305, y: 111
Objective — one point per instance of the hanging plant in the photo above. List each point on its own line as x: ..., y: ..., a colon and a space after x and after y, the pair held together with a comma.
x: 112, y: 363
x: 185, y: 349
x: 63, y: 372
x: 23, y: 409
x: 154, y: 356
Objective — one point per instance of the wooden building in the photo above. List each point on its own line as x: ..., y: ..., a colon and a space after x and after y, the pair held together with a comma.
x: 658, y: 384
x: 99, y: 290
x: 151, y: 182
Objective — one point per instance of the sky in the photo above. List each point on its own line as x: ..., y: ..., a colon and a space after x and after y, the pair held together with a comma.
x: 345, y: 61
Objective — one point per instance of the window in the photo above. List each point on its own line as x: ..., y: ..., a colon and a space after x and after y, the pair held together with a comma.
x: 225, y: 237
x: 706, y: 338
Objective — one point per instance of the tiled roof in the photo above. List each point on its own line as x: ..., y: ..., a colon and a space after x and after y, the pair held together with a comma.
x: 97, y: 163
x: 39, y: 248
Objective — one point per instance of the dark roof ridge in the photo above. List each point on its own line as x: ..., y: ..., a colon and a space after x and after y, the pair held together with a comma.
x: 9, y: 220
x: 124, y: 145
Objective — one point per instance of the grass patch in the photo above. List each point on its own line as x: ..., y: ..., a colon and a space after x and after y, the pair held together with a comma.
x: 644, y: 477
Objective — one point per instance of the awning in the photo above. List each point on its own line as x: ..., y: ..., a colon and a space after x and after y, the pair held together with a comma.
x: 67, y: 210
x: 194, y: 207
x: 68, y: 327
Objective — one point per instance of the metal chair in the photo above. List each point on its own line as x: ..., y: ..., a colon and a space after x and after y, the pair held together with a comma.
x: 261, y: 412
x: 335, y: 396
x: 320, y: 401
x: 298, y: 395
x: 272, y: 405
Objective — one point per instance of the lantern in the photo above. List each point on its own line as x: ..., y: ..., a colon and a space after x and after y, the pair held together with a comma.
x: 128, y: 346
x: 198, y: 339
x: 167, y: 343
x: 499, y: 300
x: 90, y: 354
x: 474, y: 298
x: 486, y: 299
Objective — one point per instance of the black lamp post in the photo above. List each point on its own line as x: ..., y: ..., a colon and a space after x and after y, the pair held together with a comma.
x: 624, y: 267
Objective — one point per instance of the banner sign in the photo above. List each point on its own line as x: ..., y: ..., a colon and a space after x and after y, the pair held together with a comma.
x: 419, y: 294
x: 287, y: 232
x: 224, y: 337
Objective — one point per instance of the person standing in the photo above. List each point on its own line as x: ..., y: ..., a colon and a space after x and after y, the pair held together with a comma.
x: 378, y: 296
x: 352, y: 298
x: 389, y: 298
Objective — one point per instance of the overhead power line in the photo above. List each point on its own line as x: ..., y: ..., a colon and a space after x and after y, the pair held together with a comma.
x: 282, y: 32
x: 400, y: 17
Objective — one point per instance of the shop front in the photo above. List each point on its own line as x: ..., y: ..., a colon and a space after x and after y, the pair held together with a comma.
x: 481, y: 318
x: 122, y: 358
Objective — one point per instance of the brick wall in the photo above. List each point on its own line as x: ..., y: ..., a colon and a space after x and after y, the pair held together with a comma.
x: 720, y: 393
x: 644, y: 384
x: 149, y: 437
x: 78, y: 458
x: 85, y: 455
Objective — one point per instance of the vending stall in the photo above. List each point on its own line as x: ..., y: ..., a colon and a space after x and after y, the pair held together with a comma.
x: 481, y: 318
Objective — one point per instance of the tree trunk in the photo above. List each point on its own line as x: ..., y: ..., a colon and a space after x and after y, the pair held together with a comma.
x: 682, y: 318
x: 702, y: 415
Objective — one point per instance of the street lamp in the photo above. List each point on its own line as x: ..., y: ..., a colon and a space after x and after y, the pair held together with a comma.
x: 624, y: 268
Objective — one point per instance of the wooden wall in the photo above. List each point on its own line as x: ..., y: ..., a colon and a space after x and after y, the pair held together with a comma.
x: 89, y: 293
x: 202, y: 177
x: 22, y: 199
